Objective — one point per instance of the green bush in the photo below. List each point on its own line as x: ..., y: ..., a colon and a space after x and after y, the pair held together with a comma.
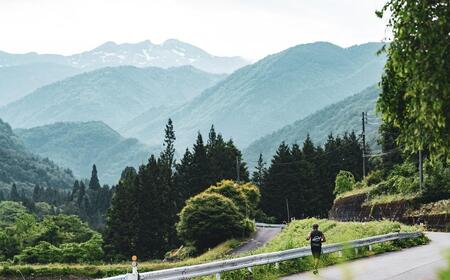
x: 374, y: 177
x: 9, y: 212
x: 231, y: 190
x: 43, y: 252
x: 245, y: 196
x: 344, y: 182
x: 209, y: 219
x: 437, y: 183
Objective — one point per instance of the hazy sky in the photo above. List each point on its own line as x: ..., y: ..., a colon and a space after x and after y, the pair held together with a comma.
x: 249, y: 28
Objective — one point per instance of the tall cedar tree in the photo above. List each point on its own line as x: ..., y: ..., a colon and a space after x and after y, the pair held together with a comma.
x: 200, y: 171
x: 121, y: 232
x: 94, y: 183
x: 166, y: 163
x: 151, y: 228
x: 260, y: 172
x: 277, y: 184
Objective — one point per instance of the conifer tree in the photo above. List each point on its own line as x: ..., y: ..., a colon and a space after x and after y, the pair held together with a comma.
x: 169, y: 150
x: 183, y: 178
x: 151, y: 229
x: 200, y: 168
x: 275, y: 189
x: 260, y: 172
x: 166, y: 184
x: 121, y: 220
x: 94, y: 183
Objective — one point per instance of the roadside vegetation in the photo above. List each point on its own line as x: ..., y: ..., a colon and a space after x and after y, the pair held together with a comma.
x: 293, y: 236
x: 401, y: 183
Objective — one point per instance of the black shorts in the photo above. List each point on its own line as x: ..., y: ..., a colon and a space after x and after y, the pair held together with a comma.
x: 316, y: 251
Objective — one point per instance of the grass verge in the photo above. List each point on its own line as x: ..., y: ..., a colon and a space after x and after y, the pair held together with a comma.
x: 104, y: 270
x: 294, y: 236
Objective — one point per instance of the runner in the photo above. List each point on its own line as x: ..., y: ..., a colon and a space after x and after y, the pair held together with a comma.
x: 316, y: 237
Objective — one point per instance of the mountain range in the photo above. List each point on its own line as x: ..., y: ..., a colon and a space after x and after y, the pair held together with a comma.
x: 113, y: 95
x: 18, y: 165
x: 80, y: 145
x: 170, y: 53
x: 336, y: 119
x: 19, y: 80
x: 269, y: 94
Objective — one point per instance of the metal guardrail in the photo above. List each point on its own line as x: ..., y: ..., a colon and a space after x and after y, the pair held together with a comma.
x: 217, y: 267
x: 264, y: 225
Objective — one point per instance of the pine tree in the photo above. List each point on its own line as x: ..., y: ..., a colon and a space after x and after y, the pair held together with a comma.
x: 200, y: 172
x: 151, y: 229
x: 94, y: 183
x: 277, y: 183
x: 169, y: 151
x: 183, y: 178
x: 121, y: 219
x: 260, y: 172
x: 167, y: 186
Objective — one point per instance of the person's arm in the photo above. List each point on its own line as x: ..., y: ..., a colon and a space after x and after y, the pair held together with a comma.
x: 308, y: 237
x: 323, y: 238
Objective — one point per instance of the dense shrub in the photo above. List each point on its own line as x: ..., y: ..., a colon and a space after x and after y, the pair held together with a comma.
x: 43, y: 252
x: 437, y: 183
x: 209, y: 219
x: 245, y: 196
x: 232, y: 191
x: 344, y: 182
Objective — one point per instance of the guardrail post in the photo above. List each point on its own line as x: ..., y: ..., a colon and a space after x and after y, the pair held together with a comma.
x: 370, y: 247
x: 134, y: 269
x: 356, y: 251
x: 277, y: 265
x: 340, y: 254
x: 217, y: 276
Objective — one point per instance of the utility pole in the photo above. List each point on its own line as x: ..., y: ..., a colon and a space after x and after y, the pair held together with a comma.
x: 420, y: 170
x: 238, y: 167
x: 363, y: 134
x: 287, y: 208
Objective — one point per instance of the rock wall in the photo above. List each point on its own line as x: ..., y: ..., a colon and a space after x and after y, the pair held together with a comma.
x: 351, y: 208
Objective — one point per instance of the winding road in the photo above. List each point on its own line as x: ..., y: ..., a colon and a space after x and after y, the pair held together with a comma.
x: 418, y: 263
x: 262, y: 236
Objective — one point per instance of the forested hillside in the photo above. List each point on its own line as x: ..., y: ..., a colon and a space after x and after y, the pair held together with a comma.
x: 336, y: 119
x: 112, y: 95
x: 80, y: 145
x: 19, y: 166
x: 271, y: 93
x: 19, y: 80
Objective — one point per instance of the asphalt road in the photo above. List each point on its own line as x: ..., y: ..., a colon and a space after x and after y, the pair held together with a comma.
x: 262, y: 236
x: 418, y: 263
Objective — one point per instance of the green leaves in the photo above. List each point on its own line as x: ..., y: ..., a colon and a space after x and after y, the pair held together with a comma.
x: 344, y: 182
x: 218, y: 214
x: 416, y: 81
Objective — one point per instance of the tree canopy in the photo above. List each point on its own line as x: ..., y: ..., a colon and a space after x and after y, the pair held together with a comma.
x: 415, y: 85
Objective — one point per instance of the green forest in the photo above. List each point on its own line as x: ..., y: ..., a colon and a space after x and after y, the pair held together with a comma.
x: 171, y: 208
